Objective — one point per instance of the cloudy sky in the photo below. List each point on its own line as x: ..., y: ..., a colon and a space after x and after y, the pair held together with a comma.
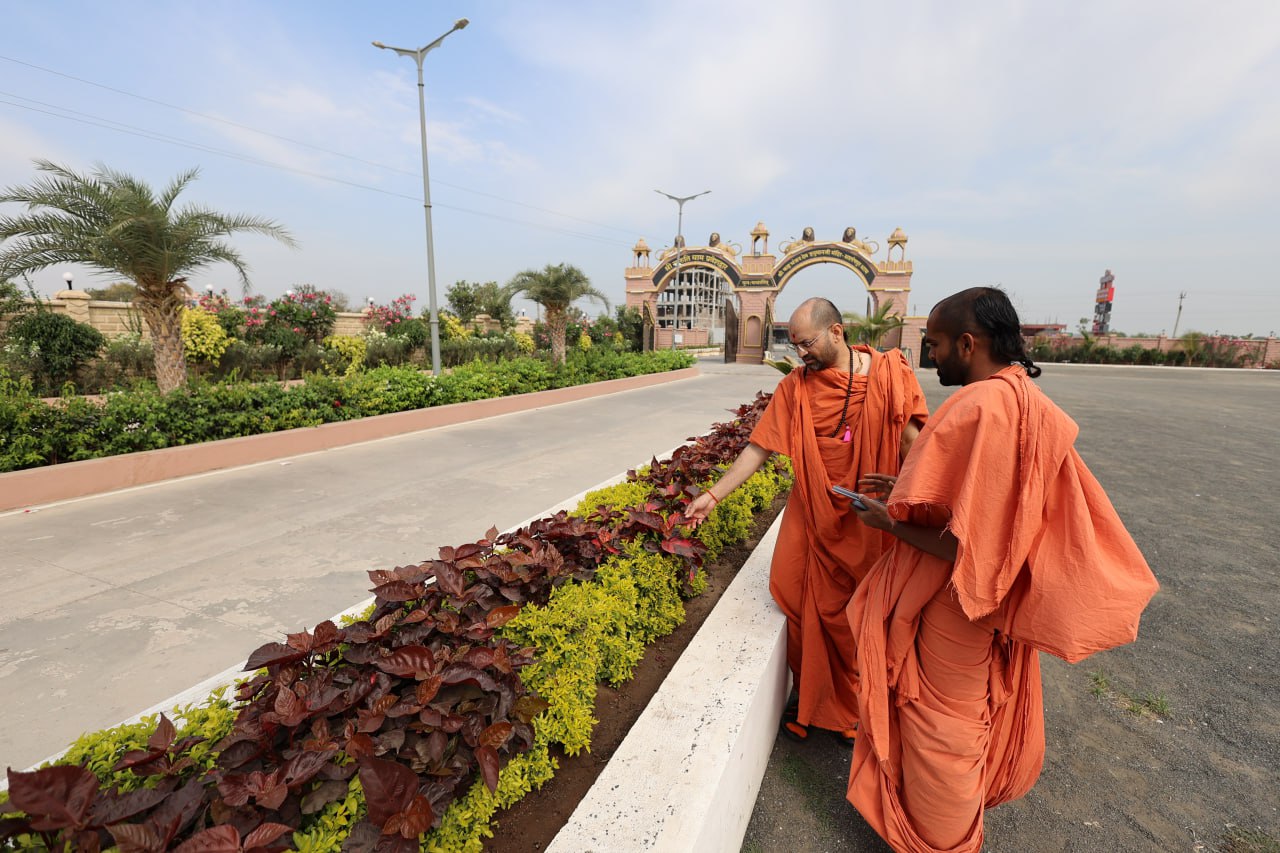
x: 1029, y: 144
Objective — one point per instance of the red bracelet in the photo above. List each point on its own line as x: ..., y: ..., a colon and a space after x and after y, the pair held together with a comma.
x: 715, y: 501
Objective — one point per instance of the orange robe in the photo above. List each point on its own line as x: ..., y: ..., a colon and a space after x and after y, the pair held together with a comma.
x: 822, y: 549
x: 948, y: 673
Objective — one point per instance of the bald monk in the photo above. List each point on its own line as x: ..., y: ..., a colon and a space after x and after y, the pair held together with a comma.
x: 850, y: 411
x: 1004, y: 545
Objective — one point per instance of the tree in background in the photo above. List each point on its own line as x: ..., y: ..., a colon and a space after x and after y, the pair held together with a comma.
x: 631, y: 325
x: 871, y: 329
x: 13, y: 301
x: 467, y: 299
x: 340, y: 301
x: 120, y: 291
x: 556, y: 287
x: 1193, y: 344
x: 53, y: 345
x: 117, y: 224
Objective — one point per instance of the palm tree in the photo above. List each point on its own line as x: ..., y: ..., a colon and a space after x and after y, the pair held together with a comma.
x: 116, y: 223
x: 872, y: 328
x: 555, y: 288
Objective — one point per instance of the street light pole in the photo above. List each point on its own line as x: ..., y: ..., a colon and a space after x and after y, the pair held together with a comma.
x: 417, y: 56
x: 679, y: 200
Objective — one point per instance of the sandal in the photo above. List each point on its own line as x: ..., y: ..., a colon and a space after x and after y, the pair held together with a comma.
x: 846, y: 736
x: 791, y: 727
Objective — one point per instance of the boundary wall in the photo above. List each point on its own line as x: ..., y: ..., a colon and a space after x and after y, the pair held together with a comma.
x: 115, y: 319
x: 1264, y: 351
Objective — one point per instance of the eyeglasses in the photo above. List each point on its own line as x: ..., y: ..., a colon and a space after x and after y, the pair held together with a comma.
x: 805, y: 345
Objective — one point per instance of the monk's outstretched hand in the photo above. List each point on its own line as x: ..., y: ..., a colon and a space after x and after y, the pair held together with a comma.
x: 875, y: 515
x: 699, y: 508
x: 880, y: 485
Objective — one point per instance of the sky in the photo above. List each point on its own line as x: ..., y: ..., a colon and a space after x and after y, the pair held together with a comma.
x: 1027, y: 144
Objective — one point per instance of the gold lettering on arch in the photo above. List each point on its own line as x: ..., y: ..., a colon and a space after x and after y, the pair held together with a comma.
x: 825, y: 254
x: 697, y: 259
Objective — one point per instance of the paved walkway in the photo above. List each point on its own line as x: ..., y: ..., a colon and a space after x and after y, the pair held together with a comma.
x: 116, y: 602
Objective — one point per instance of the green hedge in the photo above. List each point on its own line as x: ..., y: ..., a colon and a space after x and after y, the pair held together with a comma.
x: 586, y: 634
x: 35, y: 433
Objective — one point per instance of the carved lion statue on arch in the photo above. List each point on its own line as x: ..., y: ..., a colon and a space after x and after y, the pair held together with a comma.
x: 806, y: 237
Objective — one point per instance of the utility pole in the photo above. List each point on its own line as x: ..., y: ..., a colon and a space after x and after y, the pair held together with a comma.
x: 417, y: 56
x: 1181, y: 296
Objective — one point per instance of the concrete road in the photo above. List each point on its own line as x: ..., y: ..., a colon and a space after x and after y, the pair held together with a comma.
x: 114, y: 603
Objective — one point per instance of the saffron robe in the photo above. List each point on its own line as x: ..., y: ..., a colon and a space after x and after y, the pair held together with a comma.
x: 948, y: 673
x: 822, y: 549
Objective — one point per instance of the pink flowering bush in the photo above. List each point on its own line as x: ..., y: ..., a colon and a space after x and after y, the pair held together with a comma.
x: 385, y: 317
x: 397, y: 320
x: 230, y: 316
x: 291, y: 321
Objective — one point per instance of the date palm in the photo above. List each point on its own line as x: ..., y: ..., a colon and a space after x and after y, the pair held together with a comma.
x: 555, y: 288
x: 117, y: 224
x: 872, y: 328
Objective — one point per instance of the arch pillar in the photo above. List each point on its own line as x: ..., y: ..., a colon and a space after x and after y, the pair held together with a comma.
x: 893, y: 287
x: 754, y: 315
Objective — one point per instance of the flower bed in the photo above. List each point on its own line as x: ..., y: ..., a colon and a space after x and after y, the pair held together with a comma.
x: 411, y: 726
x: 34, y: 433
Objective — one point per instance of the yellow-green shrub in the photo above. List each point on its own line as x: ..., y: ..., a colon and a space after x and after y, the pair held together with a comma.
x: 524, y: 342
x: 466, y: 823
x: 453, y: 329
x: 618, y: 496
x: 203, y: 338
x: 731, y: 519
x: 333, y: 824
x: 584, y: 342
x: 350, y: 348
x: 728, y: 523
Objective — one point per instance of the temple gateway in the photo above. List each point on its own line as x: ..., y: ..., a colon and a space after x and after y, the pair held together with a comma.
x: 717, y: 294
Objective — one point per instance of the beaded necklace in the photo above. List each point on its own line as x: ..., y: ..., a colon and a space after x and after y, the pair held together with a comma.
x: 848, y: 392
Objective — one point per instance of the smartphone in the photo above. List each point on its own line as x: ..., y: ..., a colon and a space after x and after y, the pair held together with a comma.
x: 851, y: 495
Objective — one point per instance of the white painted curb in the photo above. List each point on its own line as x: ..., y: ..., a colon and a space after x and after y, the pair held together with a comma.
x: 686, y: 776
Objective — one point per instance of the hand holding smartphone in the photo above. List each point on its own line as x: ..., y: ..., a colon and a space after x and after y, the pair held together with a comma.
x: 851, y: 495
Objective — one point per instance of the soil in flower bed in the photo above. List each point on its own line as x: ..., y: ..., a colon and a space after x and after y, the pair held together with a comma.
x: 530, y: 824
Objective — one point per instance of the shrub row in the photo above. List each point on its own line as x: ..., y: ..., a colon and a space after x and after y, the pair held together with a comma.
x: 34, y: 433
x: 1193, y: 350
x: 389, y: 733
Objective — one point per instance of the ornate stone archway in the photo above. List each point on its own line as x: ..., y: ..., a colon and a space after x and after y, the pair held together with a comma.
x: 756, y: 279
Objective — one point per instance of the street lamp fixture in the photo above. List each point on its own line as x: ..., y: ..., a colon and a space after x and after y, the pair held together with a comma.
x: 417, y: 56
x: 68, y: 278
x: 679, y: 200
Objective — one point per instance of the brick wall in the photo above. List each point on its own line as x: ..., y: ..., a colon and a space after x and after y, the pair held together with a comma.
x: 114, y: 319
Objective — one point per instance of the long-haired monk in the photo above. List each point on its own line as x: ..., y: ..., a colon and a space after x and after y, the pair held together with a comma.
x: 1005, y: 544
x: 851, y: 411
